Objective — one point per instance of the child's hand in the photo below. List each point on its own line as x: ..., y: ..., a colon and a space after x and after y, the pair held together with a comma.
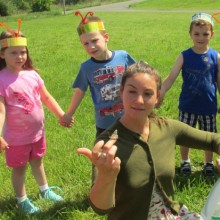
x: 3, y: 144
x: 218, y: 164
x: 66, y: 120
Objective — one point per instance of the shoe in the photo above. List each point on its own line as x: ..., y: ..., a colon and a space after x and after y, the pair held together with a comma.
x: 28, y: 207
x: 185, y: 168
x: 51, y: 195
x: 209, y: 169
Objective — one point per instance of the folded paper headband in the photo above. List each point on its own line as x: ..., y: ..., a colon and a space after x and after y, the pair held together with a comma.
x: 85, y: 27
x: 15, y: 40
x: 203, y: 16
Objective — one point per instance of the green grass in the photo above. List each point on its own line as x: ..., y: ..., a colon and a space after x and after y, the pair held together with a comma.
x: 178, y: 5
x: 54, y: 46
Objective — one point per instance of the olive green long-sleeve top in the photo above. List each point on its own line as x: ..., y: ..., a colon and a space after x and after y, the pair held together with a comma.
x: 145, y: 163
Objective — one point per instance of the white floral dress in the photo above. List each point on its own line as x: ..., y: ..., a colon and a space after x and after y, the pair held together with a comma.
x: 158, y: 210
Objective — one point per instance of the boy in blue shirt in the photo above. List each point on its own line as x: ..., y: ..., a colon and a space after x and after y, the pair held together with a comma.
x: 102, y: 73
x: 200, y: 66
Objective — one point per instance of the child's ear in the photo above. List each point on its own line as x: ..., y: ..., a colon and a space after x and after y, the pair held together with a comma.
x: 106, y: 36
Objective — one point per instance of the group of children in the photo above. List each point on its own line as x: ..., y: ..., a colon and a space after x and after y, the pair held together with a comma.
x: 22, y: 92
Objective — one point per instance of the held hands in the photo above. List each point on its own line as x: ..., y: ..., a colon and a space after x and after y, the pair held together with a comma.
x: 3, y: 144
x: 66, y: 120
x: 103, y: 157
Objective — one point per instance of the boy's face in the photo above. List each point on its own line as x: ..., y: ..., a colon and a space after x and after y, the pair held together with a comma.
x: 201, y: 35
x: 95, y: 44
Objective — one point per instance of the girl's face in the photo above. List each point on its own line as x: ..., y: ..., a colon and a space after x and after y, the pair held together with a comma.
x: 95, y: 44
x: 15, y: 58
x: 201, y: 35
x: 139, y: 96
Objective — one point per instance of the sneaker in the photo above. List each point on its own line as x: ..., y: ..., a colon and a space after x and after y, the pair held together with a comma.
x: 209, y: 169
x: 51, y: 195
x: 28, y: 207
x: 185, y: 168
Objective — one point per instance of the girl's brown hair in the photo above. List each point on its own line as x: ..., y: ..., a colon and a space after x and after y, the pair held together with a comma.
x: 28, y: 64
x: 141, y: 67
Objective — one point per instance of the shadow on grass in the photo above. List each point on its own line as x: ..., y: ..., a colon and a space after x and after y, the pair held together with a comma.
x: 61, y: 210
x: 196, y: 178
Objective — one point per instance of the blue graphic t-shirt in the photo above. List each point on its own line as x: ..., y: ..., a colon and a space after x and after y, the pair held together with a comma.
x: 199, y: 87
x: 104, y: 79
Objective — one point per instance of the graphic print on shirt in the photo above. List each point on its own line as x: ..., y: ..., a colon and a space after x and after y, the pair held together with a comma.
x: 109, y: 80
x: 199, y: 79
x: 25, y: 102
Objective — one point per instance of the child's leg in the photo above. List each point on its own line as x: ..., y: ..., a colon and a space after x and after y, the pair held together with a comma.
x: 18, y: 181
x: 208, y: 156
x: 17, y: 158
x: 190, y: 119
x: 184, y: 151
x: 208, y: 123
x: 38, y: 151
x: 38, y: 171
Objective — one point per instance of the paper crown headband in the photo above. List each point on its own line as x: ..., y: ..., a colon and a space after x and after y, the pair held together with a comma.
x: 203, y: 16
x: 15, y: 40
x: 85, y: 27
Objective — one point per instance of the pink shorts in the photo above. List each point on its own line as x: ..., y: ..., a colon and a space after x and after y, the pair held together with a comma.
x: 19, y: 155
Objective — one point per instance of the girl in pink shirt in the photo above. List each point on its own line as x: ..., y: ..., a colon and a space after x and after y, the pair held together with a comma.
x: 22, y: 116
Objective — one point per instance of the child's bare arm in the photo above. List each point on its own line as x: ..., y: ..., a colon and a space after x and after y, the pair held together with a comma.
x: 170, y: 79
x: 3, y: 143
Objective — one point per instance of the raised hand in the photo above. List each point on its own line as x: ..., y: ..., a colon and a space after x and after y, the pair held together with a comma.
x: 103, y: 157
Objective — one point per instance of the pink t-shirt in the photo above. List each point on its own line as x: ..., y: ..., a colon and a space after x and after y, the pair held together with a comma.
x: 24, y: 122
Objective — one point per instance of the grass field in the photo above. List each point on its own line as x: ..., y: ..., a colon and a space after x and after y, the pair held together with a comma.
x: 157, y: 38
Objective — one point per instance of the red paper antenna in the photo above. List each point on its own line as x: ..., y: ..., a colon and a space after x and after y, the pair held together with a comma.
x: 83, y: 18
x: 215, y: 16
x: 13, y: 33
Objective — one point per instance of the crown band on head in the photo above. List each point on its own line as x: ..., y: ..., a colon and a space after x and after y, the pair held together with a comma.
x: 203, y: 16
x: 15, y: 40
x: 91, y: 26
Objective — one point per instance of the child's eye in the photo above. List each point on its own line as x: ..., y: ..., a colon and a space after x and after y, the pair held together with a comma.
x: 148, y: 94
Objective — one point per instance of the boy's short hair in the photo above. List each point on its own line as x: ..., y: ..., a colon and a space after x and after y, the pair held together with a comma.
x: 91, y: 24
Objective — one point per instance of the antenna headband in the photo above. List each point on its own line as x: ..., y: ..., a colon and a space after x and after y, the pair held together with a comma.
x: 15, y: 41
x: 86, y: 27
